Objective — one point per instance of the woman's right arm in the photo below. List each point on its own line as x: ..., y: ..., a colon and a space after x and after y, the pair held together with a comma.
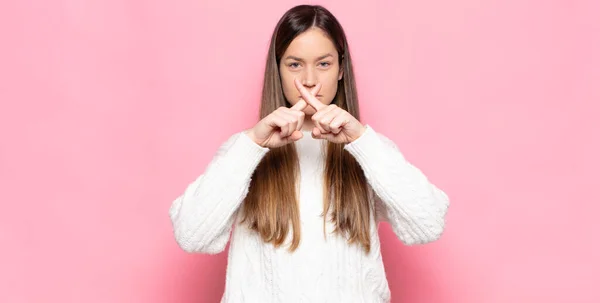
x: 203, y: 215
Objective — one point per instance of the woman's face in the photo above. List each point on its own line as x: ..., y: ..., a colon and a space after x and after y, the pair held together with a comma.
x: 311, y: 58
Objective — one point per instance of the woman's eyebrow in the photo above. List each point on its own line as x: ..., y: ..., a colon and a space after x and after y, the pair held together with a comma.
x: 302, y: 60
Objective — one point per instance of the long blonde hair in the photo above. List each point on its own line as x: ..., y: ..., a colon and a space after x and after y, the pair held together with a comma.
x: 271, y: 206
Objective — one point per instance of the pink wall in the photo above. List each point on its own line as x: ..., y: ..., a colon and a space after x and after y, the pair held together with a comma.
x: 109, y: 109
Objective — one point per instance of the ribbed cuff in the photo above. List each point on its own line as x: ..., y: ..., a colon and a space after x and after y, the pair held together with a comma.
x: 369, y: 146
x: 245, y: 153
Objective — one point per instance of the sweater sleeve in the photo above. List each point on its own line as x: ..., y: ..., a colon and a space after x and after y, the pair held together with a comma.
x: 203, y: 215
x: 404, y: 197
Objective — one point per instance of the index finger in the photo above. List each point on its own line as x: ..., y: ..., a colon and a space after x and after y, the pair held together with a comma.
x: 308, y: 97
x: 301, y: 104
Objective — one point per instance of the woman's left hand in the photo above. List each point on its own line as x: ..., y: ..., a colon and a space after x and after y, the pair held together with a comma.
x: 332, y: 123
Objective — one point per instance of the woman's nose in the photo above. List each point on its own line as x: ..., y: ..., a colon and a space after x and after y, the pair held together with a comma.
x: 309, y: 78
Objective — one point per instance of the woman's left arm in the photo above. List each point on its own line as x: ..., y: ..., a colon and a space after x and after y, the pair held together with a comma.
x: 414, y: 207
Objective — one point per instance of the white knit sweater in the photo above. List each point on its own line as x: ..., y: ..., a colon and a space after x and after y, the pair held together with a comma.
x: 320, y: 270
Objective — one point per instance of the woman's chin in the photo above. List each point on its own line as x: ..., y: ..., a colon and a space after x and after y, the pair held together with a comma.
x: 309, y: 111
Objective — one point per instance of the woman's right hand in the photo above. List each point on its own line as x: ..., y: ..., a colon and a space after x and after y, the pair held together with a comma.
x: 282, y: 126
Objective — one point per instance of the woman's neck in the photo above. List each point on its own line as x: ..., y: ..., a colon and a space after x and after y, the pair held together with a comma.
x: 308, y: 124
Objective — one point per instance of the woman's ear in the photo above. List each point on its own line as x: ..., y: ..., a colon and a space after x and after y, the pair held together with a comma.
x: 341, y: 74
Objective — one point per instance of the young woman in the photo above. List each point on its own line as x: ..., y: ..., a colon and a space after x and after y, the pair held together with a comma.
x: 305, y: 188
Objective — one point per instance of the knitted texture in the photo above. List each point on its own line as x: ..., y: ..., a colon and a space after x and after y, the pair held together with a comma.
x: 322, y: 269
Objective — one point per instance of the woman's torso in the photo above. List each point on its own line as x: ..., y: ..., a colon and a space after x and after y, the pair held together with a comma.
x: 321, y: 269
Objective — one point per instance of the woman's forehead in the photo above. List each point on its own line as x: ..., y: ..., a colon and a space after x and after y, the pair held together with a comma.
x: 313, y: 44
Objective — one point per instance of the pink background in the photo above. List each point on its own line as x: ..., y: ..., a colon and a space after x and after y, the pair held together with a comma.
x: 110, y: 108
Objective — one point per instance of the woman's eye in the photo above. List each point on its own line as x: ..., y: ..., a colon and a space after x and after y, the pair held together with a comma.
x: 296, y: 64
